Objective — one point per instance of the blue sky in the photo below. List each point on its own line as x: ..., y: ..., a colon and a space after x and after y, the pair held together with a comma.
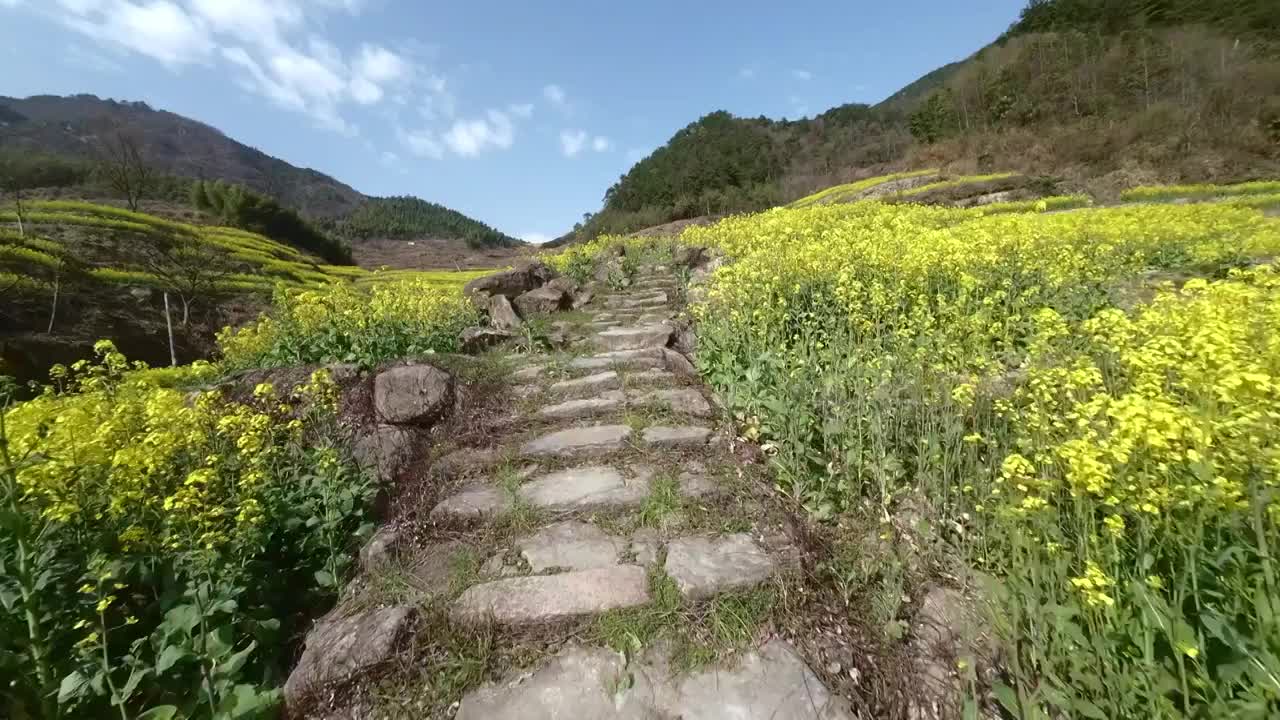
x: 518, y: 113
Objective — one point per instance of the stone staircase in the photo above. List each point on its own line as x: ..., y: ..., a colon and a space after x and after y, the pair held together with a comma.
x: 612, y: 476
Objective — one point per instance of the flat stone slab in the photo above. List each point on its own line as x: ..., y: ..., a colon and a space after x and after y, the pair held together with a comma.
x: 589, y: 385
x: 676, y: 437
x: 528, y: 374
x: 339, y: 649
x: 703, y: 567
x: 579, y: 441
x: 571, y: 545
x: 605, y: 361
x: 652, y: 377
x: 635, y: 338
x: 548, y: 598
x: 771, y: 683
x: 607, y: 402
x: 589, y: 487
x: 474, y: 501
x: 684, y: 401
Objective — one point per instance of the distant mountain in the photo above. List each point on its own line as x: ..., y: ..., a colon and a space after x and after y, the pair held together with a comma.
x: 1082, y: 94
x: 176, y: 145
x: 411, y: 218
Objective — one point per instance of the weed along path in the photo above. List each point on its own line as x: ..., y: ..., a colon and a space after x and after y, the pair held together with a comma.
x: 600, y: 551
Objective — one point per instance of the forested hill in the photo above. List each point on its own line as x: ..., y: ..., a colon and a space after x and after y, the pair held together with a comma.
x: 1095, y: 94
x: 407, y: 218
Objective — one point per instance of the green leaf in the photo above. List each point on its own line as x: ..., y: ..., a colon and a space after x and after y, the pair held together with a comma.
x: 1007, y: 697
x: 231, y: 666
x: 162, y: 712
x: 169, y: 657
x: 72, y: 686
x: 325, y: 579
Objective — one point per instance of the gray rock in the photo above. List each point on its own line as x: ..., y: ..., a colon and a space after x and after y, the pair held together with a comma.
x: 646, y: 546
x: 684, y: 401
x: 412, y: 394
x: 676, y: 437
x: 474, y: 501
x: 605, y: 324
x: 583, y: 298
x: 546, y: 299
x: 634, y: 338
x: 679, y: 364
x: 501, y: 315
x: 651, y: 377
x: 512, y: 283
x: 703, y: 567
x: 548, y: 598
x: 589, y: 385
x: 386, y: 450
x: 465, y: 461
x: 947, y: 627
x: 589, y: 487
x: 571, y: 545
x: 340, y: 648
x: 607, y: 402
x: 698, y: 485
x: 771, y: 683
x: 579, y: 441
x: 343, y: 373
x: 378, y: 551
x: 689, y: 256
x: 528, y: 374
x: 478, y: 339
x: 579, y: 683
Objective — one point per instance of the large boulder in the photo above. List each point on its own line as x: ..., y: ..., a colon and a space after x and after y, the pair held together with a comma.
x: 546, y: 299
x: 479, y: 339
x: 501, y: 315
x: 512, y: 283
x: 412, y: 394
x: 385, y: 449
x: 339, y: 649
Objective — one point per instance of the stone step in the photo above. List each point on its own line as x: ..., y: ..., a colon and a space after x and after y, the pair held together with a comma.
x: 768, y: 683
x: 586, y: 407
x: 590, y: 440
x: 588, y: 487
x: 676, y: 437
x: 635, y: 338
x: 683, y: 401
x: 703, y: 567
x: 541, y: 599
x: 570, y: 545
x: 640, y: 359
x: 651, y: 377
x: 588, y: 385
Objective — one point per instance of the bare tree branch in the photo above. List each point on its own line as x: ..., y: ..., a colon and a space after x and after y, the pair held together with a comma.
x: 124, y: 167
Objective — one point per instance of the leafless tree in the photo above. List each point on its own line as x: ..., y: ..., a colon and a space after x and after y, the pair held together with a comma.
x: 125, y: 168
x: 187, y: 268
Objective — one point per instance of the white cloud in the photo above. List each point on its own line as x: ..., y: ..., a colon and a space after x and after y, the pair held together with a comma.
x: 156, y: 28
x: 375, y: 67
x: 555, y: 95
x: 802, y: 74
x: 249, y: 21
x: 469, y: 138
x: 536, y: 238
x: 421, y: 143
x: 523, y: 110
x: 572, y: 142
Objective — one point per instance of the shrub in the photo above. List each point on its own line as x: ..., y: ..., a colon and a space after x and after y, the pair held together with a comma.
x: 160, y: 552
x: 343, y: 323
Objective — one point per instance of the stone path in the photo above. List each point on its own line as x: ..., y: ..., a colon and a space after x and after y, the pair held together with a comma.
x: 615, y: 443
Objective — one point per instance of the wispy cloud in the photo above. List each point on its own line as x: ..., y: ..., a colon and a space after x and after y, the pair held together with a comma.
x: 522, y: 110
x: 555, y: 95
x: 574, y: 142
x: 804, y: 75
x: 469, y: 138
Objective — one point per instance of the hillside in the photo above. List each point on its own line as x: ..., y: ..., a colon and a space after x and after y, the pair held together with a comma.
x: 1078, y: 95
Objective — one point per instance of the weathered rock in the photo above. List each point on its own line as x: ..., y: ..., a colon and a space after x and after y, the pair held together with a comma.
x: 570, y: 545
x: 605, y: 324
x: 771, y: 683
x: 386, y: 449
x: 685, y: 341
x: 673, y: 437
x: 579, y: 441
x: 651, y: 377
x: 591, y: 487
x: 606, y: 402
x: 378, y: 551
x: 563, y: 283
x: 338, y: 649
x: 698, y: 485
x: 545, y: 299
x: 583, y: 297
x: 501, y: 315
x: 548, y: 598
x: 646, y: 545
x: 604, y: 270
x: 684, y: 401
x: 704, y: 567
x: 472, y: 502
x: 512, y: 283
x: 947, y: 627
x: 637, y: 302
x: 635, y: 338
x: 478, y: 339
x: 528, y: 374
x: 412, y: 394
x: 343, y: 373
x: 589, y: 385
x: 689, y: 256
x: 679, y: 364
